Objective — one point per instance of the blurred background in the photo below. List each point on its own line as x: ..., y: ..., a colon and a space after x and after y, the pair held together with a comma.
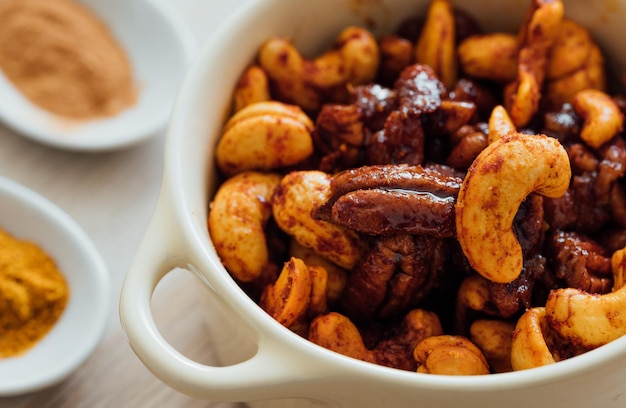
x: 111, y: 195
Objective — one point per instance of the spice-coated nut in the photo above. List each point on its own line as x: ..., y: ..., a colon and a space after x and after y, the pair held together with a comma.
x: 264, y: 136
x: 288, y: 298
x: 493, y: 338
x: 337, y: 276
x: 537, y: 36
x: 472, y: 294
x: 602, y: 117
x: 237, y: 218
x: 590, y: 76
x: 618, y: 267
x: 586, y: 319
x: 297, y: 294
x: 252, y: 87
x: 450, y: 355
x: 396, y: 53
x: 436, y: 45
x: 336, y: 332
x: 353, y: 59
x: 500, y: 124
x: 489, y: 56
x: 495, y: 185
x: 298, y: 194
x: 529, y: 348
x: 570, y: 51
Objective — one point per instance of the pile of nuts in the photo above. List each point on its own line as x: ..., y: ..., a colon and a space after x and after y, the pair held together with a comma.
x: 439, y: 200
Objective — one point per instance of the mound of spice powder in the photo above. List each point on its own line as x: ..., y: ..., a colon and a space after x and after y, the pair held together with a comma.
x: 33, y: 295
x: 60, y: 56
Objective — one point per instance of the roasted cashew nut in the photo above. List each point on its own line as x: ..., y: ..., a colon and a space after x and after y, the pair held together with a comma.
x: 536, y: 37
x: 575, y: 64
x: 264, y: 136
x: 449, y: 355
x: 589, y: 320
x: 473, y: 294
x: 284, y: 67
x: 602, y: 117
x: 495, y: 185
x: 573, y: 319
x: 570, y: 50
x: 522, y: 98
x: 493, y: 338
x: 490, y: 56
x: 618, y: 267
x: 336, y: 332
x: 298, y: 293
x: 500, y: 124
x: 298, y: 194
x: 353, y: 59
x: 590, y: 76
x: 288, y: 298
x: 529, y: 348
x: 237, y: 218
x: 252, y: 87
x: 337, y: 278
x: 436, y: 45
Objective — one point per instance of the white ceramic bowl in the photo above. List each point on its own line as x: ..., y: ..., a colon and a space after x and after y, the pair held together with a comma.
x: 28, y: 216
x: 263, y: 361
x: 160, y: 48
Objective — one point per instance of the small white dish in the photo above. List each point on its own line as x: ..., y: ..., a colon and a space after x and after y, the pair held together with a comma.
x: 27, y: 215
x: 160, y: 48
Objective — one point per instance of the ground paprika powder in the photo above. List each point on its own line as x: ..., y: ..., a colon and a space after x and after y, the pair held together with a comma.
x: 33, y: 294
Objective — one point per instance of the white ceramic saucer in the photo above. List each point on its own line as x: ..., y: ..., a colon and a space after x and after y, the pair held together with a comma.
x: 160, y: 48
x: 27, y: 215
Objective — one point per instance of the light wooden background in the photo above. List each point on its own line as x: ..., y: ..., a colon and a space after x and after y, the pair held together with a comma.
x: 112, y: 196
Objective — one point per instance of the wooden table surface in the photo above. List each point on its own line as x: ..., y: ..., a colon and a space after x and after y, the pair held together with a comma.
x: 111, y: 196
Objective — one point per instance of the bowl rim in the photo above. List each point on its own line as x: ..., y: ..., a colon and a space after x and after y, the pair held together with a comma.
x: 99, y: 300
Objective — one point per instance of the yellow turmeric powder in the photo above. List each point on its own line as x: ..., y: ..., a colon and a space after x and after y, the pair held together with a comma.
x: 33, y: 294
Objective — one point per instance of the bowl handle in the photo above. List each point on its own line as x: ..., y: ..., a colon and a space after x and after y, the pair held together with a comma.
x: 258, y: 377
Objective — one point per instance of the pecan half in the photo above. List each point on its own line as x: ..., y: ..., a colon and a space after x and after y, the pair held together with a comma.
x: 401, y: 141
x: 392, y: 199
x: 580, y: 262
x: 398, y: 271
x: 419, y: 90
